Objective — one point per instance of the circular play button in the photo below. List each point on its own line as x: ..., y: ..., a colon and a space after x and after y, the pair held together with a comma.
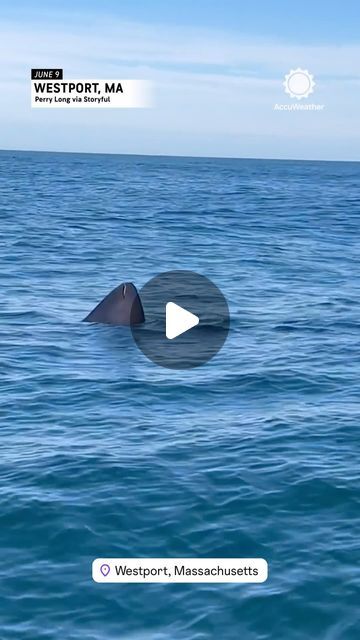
x: 186, y: 320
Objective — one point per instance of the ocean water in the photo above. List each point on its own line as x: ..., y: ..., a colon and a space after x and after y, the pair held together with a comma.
x: 255, y: 454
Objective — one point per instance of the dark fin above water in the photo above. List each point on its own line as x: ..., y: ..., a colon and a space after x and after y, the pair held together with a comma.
x: 121, y: 306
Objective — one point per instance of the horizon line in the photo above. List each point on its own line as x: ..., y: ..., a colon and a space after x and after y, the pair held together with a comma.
x: 167, y: 155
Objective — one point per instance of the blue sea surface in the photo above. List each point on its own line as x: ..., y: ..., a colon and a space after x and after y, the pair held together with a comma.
x: 104, y: 454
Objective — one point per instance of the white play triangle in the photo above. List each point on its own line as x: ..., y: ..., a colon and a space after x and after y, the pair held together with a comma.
x: 178, y: 320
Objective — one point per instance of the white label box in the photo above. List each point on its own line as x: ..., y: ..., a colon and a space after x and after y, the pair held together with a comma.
x: 179, y: 570
x: 94, y: 94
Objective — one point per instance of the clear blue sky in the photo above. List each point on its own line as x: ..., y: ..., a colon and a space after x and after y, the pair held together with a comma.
x: 217, y: 70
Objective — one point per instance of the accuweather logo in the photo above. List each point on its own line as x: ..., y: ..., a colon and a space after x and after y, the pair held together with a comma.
x: 299, y: 84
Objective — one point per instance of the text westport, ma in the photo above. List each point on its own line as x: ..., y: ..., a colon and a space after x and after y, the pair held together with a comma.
x: 90, y: 93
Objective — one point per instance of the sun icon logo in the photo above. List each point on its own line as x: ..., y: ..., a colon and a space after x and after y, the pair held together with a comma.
x: 299, y: 83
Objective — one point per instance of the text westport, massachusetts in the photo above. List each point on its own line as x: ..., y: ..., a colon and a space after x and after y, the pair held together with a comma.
x: 179, y: 570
